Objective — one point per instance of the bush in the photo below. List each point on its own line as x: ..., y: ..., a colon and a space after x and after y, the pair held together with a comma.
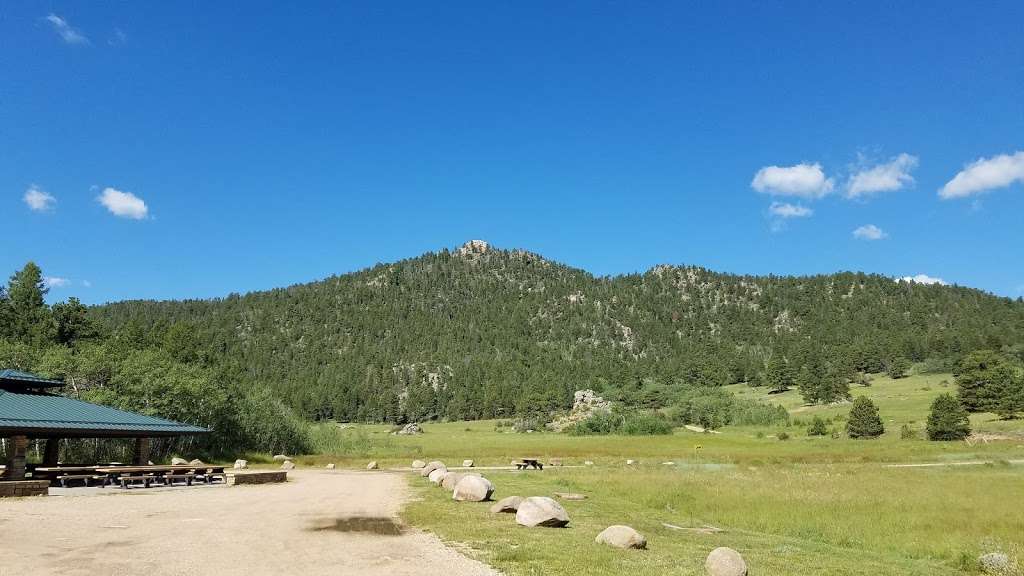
x: 783, y: 435
x: 713, y: 408
x: 645, y: 424
x: 630, y: 424
x: 948, y: 420
x: 864, y: 421
x: 907, y: 433
x: 817, y: 427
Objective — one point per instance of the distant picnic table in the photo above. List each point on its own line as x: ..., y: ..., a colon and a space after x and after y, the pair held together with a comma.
x: 525, y: 463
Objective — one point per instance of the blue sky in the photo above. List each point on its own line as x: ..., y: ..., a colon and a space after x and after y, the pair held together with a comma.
x: 168, y: 150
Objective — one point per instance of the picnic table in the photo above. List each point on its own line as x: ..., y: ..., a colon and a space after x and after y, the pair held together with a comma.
x: 166, y: 475
x: 525, y: 463
x: 63, y: 474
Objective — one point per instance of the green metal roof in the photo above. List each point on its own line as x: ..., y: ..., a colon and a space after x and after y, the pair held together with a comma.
x: 21, y: 379
x: 39, y: 414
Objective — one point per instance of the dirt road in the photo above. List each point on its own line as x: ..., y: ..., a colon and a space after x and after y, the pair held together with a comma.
x: 320, y: 522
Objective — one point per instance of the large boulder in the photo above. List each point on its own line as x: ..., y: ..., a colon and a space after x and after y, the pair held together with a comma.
x: 450, y: 479
x: 431, y: 466
x: 287, y: 465
x: 725, y: 562
x: 280, y: 458
x: 178, y: 461
x: 541, y: 511
x: 437, y: 475
x: 473, y: 489
x: 619, y: 536
x: 418, y: 464
x: 994, y: 563
x: 241, y: 464
x: 195, y: 462
x: 507, y: 505
x: 467, y: 463
x: 372, y: 465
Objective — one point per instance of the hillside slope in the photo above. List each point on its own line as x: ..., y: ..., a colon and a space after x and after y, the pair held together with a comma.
x: 481, y: 332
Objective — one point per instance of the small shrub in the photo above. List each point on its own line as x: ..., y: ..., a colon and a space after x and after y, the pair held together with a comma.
x: 907, y: 433
x: 783, y: 435
x: 817, y: 427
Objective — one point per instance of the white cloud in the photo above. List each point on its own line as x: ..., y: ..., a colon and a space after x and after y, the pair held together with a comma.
x: 55, y: 282
x: 888, y: 177
x: 123, y: 204
x: 803, y: 181
x: 786, y: 210
x: 66, y: 32
x: 869, y: 232
x: 38, y: 199
x: 923, y: 279
x: 985, y: 174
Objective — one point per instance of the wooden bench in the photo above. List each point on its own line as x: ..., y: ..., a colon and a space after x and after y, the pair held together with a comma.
x: 63, y: 479
x: 170, y: 478
x: 126, y: 479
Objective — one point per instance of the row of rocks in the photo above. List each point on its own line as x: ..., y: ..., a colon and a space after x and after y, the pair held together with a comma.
x: 542, y: 511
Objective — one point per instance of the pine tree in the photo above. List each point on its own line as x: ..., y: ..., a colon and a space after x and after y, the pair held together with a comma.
x: 809, y: 384
x: 817, y: 427
x: 897, y: 367
x: 864, y: 421
x: 777, y: 375
x: 948, y: 419
x: 984, y: 379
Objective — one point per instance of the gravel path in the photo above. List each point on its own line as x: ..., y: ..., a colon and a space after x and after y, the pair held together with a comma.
x: 320, y: 522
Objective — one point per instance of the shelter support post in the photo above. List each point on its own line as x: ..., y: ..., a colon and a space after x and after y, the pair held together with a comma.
x: 141, y: 457
x: 51, y: 454
x: 16, y: 450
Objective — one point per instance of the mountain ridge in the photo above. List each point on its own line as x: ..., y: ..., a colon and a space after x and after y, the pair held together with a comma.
x: 492, y: 331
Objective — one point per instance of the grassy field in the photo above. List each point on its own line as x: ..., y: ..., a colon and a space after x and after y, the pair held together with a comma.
x: 806, y: 505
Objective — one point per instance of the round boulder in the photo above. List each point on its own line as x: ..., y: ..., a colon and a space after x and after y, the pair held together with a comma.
x: 241, y: 464
x: 994, y: 563
x: 178, y: 461
x: 280, y: 458
x: 330, y: 466
x: 467, y: 463
x: 619, y: 536
x: 473, y: 489
x: 507, y: 505
x: 287, y: 465
x: 196, y: 462
x: 372, y: 465
x: 449, y: 480
x: 418, y: 464
x: 725, y: 562
x: 431, y: 466
x: 541, y: 511
x: 436, y: 475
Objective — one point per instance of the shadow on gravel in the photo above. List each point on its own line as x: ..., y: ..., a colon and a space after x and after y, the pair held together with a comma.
x: 364, y: 524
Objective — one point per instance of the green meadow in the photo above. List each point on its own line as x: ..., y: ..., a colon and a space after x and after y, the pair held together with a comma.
x: 801, y: 505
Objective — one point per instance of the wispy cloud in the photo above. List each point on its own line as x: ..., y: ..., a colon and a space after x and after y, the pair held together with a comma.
x: 985, y: 174
x: 923, y: 279
x: 869, y: 232
x: 117, y: 37
x: 56, y: 282
x: 806, y: 181
x: 123, y: 204
x: 887, y: 177
x: 787, y: 210
x: 69, y: 34
x: 38, y: 200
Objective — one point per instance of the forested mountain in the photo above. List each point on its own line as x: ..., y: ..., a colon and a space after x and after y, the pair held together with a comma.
x: 481, y: 332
